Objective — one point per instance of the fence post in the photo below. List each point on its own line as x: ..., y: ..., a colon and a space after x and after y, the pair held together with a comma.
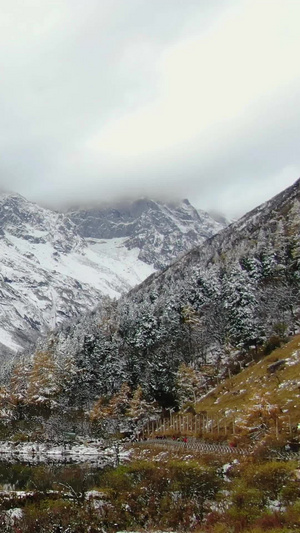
x: 276, y: 428
x: 290, y: 425
x: 197, y: 428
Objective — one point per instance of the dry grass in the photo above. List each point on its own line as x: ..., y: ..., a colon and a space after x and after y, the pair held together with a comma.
x: 282, y: 387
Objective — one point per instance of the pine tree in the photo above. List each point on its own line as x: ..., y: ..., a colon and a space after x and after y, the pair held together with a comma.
x: 241, y: 305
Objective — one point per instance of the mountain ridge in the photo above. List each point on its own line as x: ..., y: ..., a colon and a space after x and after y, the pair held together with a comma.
x: 161, y: 230
x: 50, y: 273
x: 235, y: 228
x: 230, y: 295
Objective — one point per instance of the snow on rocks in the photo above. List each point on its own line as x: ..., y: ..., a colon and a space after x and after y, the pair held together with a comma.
x: 13, y: 515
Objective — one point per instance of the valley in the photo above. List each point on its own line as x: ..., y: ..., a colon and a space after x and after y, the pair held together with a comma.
x: 189, y: 380
x: 53, y: 269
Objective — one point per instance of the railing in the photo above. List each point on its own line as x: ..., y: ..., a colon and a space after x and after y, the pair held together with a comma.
x: 189, y: 424
x: 198, y: 446
x: 200, y: 425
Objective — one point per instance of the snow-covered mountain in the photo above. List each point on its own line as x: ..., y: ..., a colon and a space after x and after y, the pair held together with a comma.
x: 232, y: 297
x: 161, y: 231
x: 53, y: 268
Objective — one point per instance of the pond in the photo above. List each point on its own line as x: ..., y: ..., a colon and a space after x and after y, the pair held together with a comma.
x: 99, y: 453
x: 43, y: 466
x: 77, y: 478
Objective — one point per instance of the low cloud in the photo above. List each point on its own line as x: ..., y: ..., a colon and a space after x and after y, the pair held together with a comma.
x: 107, y: 100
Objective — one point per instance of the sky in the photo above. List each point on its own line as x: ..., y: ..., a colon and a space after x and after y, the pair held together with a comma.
x: 104, y: 100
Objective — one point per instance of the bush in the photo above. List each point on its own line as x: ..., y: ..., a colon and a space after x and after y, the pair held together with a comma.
x: 169, y: 495
x: 271, y: 521
x: 272, y: 343
x: 269, y: 477
x: 248, y: 498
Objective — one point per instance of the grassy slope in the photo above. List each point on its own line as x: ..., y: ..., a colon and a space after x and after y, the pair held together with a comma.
x: 235, y: 395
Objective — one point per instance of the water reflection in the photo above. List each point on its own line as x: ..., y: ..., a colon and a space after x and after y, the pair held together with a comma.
x: 23, y: 476
x: 41, y: 459
x: 93, y: 453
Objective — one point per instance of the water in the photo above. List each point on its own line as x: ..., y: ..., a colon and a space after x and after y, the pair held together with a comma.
x: 22, y: 476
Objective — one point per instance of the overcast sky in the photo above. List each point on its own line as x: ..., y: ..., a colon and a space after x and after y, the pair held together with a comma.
x: 106, y: 99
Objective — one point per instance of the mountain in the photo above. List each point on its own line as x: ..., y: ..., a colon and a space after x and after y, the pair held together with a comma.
x: 236, y: 294
x: 160, y: 231
x: 53, y: 269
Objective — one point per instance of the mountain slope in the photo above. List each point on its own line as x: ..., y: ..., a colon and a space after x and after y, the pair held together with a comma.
x: 49, y: 273
x: 207, y: 309
x: 241, y: 282
x: 161, y: 231
x: 269, y: 384
x: 52, y: 269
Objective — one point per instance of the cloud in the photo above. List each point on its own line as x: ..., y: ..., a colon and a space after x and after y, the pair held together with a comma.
x: 112, y: 99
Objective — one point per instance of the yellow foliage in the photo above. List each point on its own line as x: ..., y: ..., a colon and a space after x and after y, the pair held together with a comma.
x: 43, y: 383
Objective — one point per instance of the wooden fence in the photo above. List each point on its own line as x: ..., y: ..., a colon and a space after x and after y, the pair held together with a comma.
x: 189, y: 424
x: 200, y: 425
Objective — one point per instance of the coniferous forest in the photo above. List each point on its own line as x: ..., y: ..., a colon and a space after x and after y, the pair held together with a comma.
x: 235, y: 295
x: 174, y: 346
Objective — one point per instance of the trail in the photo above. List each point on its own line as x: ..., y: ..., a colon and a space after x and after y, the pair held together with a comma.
x: 196, y: 446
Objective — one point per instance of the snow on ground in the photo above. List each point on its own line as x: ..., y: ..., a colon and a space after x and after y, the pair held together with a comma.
x: 114, y: 255
x: 34, y: 452
x: 13, y: 515
x: 6, y: 339
x: 42, y: 281
x: 105, y: 264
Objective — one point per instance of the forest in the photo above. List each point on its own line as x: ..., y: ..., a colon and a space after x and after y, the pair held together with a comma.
x: 174, y: 337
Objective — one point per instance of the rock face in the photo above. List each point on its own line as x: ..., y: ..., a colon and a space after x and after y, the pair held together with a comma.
x: 273, y: 228
x: 161, y: 231
x: 53, y: 267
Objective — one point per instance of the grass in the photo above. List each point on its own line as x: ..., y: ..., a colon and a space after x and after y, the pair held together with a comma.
x: 237, y: 394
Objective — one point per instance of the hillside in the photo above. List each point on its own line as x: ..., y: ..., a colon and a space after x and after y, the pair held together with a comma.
x: 52, y: 270
x: 271, y: 385
x: 207, y: 310
x: 161, y: 231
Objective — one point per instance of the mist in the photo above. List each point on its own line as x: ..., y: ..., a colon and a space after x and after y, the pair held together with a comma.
x: 110, y: 101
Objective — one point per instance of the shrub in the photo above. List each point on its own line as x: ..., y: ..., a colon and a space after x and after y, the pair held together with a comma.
x: 290, y: 493
x: 270, y: 521
x: 169, y: 495
x: 248, y: 498
x: 269, y: 477
x: 272, y: 343
x: 293, y: 515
